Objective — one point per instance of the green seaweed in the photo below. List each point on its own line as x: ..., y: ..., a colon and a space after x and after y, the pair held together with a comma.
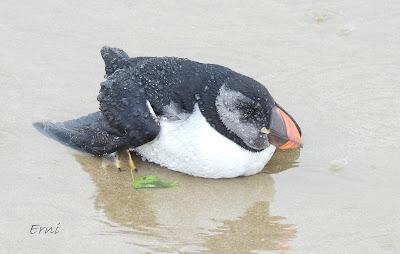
x: 151, y: 182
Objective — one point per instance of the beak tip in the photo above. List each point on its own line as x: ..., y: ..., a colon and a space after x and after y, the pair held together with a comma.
x: 293, y: 133
x: 285, y: 132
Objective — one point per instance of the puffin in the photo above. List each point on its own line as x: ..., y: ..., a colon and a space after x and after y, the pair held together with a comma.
x: 200, y: 119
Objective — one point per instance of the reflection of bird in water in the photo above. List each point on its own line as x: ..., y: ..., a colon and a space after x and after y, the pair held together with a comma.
x: 282, y: 160
x: 255, y: 230
x: 198, y: 215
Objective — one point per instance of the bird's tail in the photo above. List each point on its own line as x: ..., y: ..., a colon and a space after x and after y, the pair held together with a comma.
x: 89, y: 133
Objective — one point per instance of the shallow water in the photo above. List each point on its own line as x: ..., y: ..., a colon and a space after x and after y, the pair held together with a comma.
x: 333, y: 65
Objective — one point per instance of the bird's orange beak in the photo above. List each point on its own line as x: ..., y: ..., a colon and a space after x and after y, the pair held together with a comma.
x: 284, y: 133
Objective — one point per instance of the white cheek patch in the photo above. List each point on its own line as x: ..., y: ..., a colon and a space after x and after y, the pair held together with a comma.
x: 230, y: 115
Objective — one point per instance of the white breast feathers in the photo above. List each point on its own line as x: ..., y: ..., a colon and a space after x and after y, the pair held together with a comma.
x: 193, y: 147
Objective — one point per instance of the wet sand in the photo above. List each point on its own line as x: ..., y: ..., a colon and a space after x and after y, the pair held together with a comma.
x: 333, y: 66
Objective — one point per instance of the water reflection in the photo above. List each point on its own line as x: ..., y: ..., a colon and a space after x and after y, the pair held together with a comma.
x: 255, y: 230
x: 199, y: 215
x: 282, y: 160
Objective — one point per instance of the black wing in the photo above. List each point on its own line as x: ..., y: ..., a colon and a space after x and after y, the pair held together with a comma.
x: 123, y: 103
x: 126, y: 118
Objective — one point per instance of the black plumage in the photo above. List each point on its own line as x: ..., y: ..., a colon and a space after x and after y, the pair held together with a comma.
x: 133, y: 84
